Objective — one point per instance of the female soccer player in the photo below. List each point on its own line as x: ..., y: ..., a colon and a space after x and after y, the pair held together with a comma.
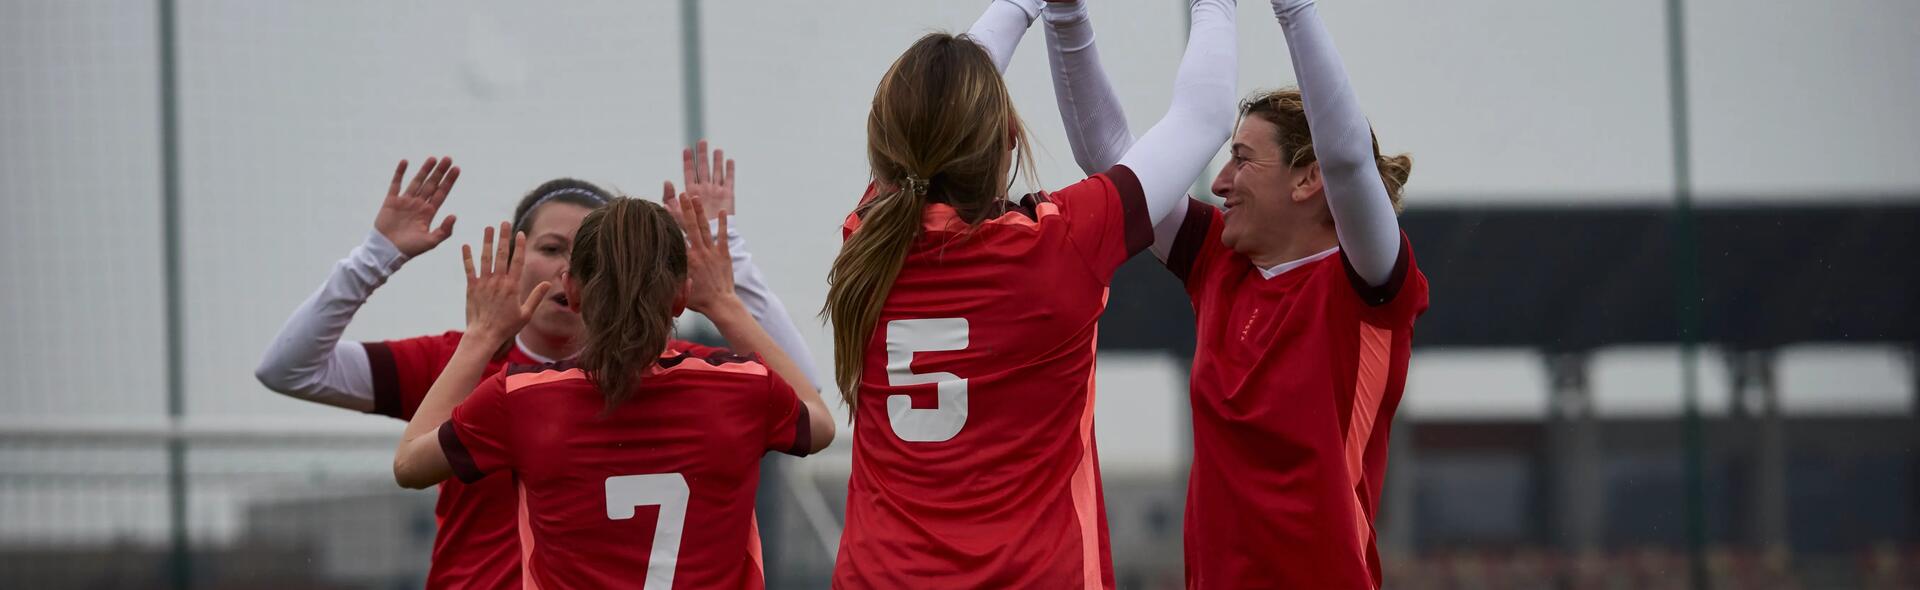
x: 637, y: 462
x: 964, y: 325
x: 476, y: 544
x: 1302, y: 354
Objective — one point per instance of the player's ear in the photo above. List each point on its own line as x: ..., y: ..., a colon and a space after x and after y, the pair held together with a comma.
x: 680, y: 297
x: 1306, y: 182
x: 572, y: 288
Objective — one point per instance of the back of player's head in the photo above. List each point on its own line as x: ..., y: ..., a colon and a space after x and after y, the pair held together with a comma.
x: 629, y: 262
x: 572, y: 191
x: 1285, y: 109
x: 942, y: 127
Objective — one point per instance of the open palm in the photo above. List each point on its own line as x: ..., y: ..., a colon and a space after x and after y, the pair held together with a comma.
x: 708, y: 176
x: 406, y: 216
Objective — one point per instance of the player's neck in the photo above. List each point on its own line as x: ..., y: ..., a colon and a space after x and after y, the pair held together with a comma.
x: 1294, y: 245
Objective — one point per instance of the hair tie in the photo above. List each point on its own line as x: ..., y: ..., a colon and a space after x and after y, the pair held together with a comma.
x: 914, y: 184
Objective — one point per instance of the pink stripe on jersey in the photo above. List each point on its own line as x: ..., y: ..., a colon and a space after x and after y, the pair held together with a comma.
x: 1376, y: 346
x: 1086, y: 504
x: 753, y: 547
x: 526, y: 543
x: 1369, y: 385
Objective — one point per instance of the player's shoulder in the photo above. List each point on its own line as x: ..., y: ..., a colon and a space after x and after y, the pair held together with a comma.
x: 691, y: 347
x: 1113, y: 184
x: 521, y: 378
x: 1405, y: 288
x: 709, y: 362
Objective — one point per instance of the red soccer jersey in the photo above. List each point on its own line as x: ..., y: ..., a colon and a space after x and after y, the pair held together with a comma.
x: 1295, y: 381
x: 657, y: 492
x: 973, y: 458
x: 476, y: 542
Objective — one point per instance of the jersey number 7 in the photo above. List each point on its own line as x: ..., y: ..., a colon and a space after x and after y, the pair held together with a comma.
x: 669, y: 492
x: 904, y: 338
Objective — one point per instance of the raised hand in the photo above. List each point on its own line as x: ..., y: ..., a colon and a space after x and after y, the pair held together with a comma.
x: 708, y: 177
x: 406, y: 217
x: 495, y: 308
x: 709, y: 261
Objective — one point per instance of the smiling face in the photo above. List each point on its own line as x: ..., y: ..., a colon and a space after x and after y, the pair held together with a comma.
x: 1266, y: 196
x: 549, y: 242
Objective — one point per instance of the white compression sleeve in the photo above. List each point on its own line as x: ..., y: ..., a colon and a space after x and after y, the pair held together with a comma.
x: 1343, y: 143
x: 1000, y: 28
x: 1200, y: 119
x: 765, y: 306
x: 307, y: 359
x: 1096, y: 125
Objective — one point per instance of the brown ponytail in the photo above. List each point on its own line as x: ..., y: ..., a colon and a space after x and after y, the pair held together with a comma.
x: 630, y: 260
x: 942, y: 127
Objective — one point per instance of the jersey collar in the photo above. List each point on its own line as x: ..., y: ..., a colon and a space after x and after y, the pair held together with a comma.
x: 1282, y: 268
x: 522, y: 345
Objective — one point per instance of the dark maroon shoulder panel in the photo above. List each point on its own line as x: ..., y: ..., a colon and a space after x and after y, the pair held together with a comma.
x: 802, y: 432
x: 1191, y: 238
x: 386, y: 379
x: 1133, y: 208
x: 1383, y: 294
x: 457, y: 455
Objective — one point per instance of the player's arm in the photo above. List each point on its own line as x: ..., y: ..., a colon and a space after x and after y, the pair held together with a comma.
x: 1343, y: 145
x: 711, y: 177
x: 1000, y: 28
x: 1198, y: 121
x: 710, y: 291
x: 1096, y: 125
x: 497, y: 312
x: 307, y: 359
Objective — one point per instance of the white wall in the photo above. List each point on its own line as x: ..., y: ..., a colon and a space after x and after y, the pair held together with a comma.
x: 293, y: 113
x: 79, y: 186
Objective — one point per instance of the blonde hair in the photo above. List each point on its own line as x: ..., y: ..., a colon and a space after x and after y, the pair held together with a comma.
x: 940, y: 128
x: 1288, y: 114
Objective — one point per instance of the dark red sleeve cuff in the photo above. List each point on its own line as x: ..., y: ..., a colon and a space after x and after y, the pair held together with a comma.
x: 457, y: 455
x: 1385, y: 292
x: 1191, y: 239
x: 1133, y: 208
x: 802, y: 431
x: 386, y: 380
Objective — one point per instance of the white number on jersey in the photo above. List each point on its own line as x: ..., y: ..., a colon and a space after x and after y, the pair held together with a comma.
x: 905, y: 337
x: 669, y: 492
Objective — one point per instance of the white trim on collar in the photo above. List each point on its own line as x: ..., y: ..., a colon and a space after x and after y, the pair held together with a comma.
x: 1282, y: 268
x: 522, y: 345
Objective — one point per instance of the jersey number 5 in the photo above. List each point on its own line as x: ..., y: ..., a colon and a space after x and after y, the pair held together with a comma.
x: 669, y: 492
x: 904, y: 338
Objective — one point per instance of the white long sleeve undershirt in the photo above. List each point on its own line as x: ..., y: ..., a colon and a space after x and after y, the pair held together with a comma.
x: 1096, y: 124
x: 1000, y: 28
x: 1363, y: 215
x: 1097, y: 129
x: 1178, y: 147
x: 1200, y: 118
x: 1368, y: 231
